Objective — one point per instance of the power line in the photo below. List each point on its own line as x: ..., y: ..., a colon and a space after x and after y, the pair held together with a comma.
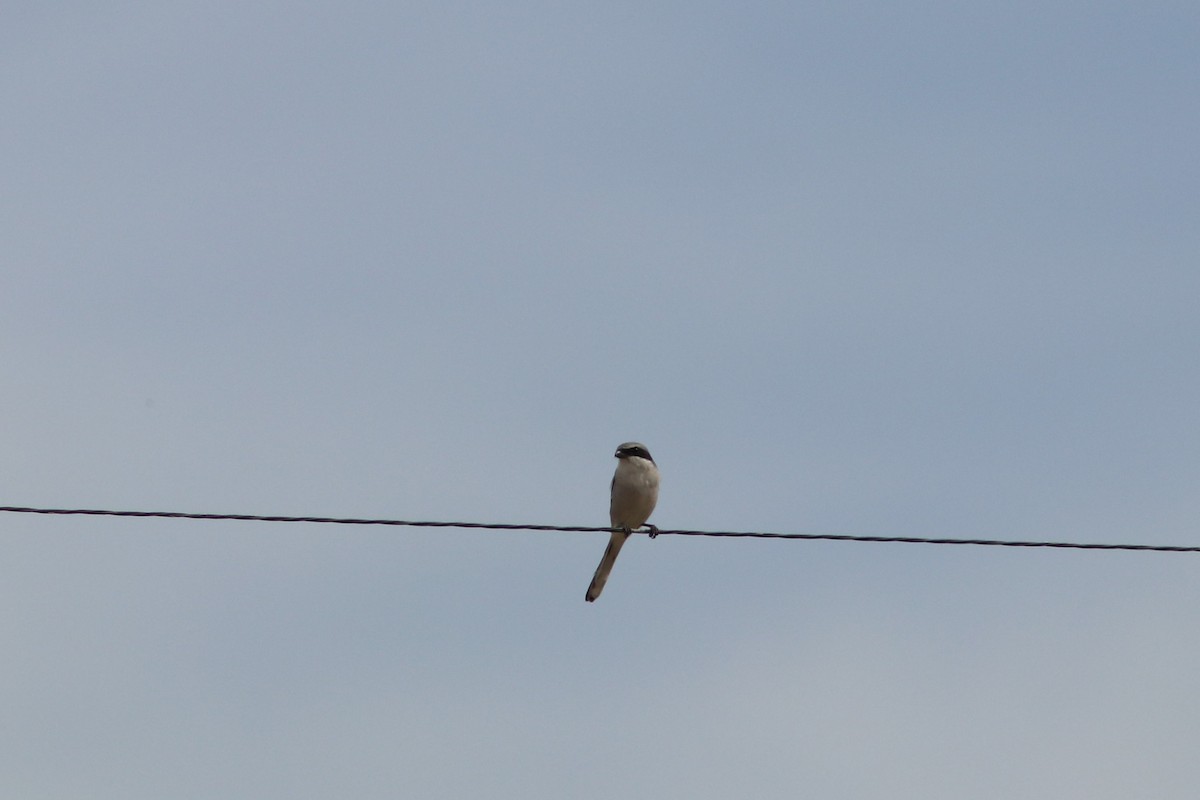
x: 833, y: 537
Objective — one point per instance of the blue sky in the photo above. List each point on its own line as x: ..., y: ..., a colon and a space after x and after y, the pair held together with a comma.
x: 854, y: 268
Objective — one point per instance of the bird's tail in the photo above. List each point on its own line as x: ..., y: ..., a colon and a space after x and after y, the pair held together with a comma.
x: 615, y: 542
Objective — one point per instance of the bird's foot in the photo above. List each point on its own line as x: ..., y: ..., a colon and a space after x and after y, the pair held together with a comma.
x: 652, y: 530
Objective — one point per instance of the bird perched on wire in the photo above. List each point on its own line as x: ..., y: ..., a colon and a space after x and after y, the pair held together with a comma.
x: 633, y: 497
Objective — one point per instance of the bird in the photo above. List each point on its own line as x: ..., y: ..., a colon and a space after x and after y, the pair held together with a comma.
x: 634, y: 493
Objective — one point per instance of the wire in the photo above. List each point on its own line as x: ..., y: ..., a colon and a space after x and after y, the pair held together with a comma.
x: 834, y: 537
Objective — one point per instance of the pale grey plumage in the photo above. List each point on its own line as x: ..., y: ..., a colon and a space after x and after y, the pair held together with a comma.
x: 634, y: 493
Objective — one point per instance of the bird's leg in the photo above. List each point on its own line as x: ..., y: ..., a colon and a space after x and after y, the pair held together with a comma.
x: 652, y: 530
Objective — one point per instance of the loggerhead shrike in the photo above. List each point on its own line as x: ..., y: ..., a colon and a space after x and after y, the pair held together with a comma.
x: 634, y: 493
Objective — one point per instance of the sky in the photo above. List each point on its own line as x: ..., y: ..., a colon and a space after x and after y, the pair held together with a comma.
x: 928, y: 269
